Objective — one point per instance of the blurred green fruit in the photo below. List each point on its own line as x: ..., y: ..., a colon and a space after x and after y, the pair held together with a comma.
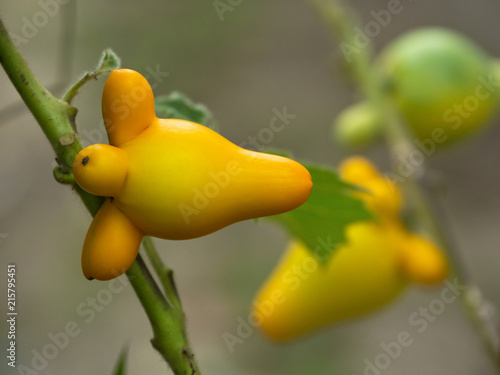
x: 357, y: 126
x: 440, y: 79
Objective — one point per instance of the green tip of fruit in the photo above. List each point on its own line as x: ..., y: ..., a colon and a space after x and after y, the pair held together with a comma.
x: 357, y: 126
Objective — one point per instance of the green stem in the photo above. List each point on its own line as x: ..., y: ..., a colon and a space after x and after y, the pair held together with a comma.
x: 68, y: 97
x: 52, y: 114
x: 401, y: 146
x: 166, y: 274
x: 56, y: 118
x: 169, y: 334
x: 109, y: 61
x: 63, y: 178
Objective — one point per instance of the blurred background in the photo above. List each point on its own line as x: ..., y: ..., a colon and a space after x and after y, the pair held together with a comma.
x: 242, y: 64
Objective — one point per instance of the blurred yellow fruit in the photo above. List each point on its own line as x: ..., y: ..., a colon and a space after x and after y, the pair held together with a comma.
x: 378, y: 259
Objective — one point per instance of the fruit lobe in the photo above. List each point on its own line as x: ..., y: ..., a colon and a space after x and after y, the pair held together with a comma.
x: 128, y: 105
x: 101, y: 170
x: 423, y: 262
x: 111, y: 244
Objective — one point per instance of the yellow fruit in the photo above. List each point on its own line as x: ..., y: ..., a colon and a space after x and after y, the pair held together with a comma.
x: 382, y: 198
x: 373, y: 266
x: 423, y: 262
x: 380, y: 195
x: 175, y: 179
x: 357, y: 169
x: 361, y: 276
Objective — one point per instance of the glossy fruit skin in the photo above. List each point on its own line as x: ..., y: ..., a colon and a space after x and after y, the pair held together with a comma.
x: 379, y: 259
x: 127, y: 106
x: 111, y: 244
x: 439, y: 79
x: 171, y: 179
x: 101, y: 169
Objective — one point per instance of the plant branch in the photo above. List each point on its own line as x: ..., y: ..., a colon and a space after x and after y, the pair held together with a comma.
x: 56, y: 118
x: 51, y: 113
x: 109, y: 61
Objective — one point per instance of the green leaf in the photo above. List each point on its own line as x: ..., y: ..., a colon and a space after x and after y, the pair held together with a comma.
x: 321, y: 221
x: 109, y: 61
x: 120, y: 365
x: 179, y: 106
